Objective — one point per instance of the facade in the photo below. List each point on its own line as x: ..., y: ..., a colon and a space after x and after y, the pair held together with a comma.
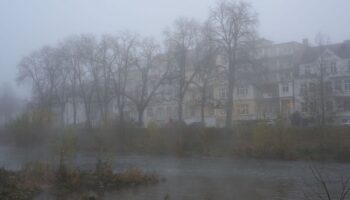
x: 281, y: 80
x: 323, y: 83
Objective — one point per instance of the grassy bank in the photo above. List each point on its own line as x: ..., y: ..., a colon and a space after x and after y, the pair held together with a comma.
x: 263, y: 142
x: 253, y: 141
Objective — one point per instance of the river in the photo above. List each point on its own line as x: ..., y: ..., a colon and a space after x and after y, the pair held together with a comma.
x: 203, y: 178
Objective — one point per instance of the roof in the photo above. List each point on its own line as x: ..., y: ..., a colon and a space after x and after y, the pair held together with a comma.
x: 342, y: 50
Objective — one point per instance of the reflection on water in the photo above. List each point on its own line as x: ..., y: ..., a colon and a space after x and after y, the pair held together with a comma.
x: 195, y: 178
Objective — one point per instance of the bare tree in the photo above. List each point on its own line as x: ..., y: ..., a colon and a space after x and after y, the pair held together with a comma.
x: 86, y: 47
x: 322, y: 40
x: 43, y: 69
x: 316, y: 93
x: 72, y: 59
x: 181, y: 39
x: 105, y: 58
x: 125, y: 46
x: 234, y: 24
x: 148, y: 76
x: 206, y: 53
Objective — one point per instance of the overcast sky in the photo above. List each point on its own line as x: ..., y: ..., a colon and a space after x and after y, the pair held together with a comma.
x: 26, y: 25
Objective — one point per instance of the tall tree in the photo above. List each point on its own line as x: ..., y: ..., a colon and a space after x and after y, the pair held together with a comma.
x: 148, y: 76
x: 105, y: 58
x: 86, y: 47
x: 205, y: 56
x: 234, y: 24
x: 181, y: 39
x: 321, y: 41
x: 42, y: 68
x: 73, y: 59
x: 125, y: 46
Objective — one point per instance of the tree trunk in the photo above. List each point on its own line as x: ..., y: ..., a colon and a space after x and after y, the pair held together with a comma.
x: 62, y: 114
x: 88, y: 116
x: 121, y: 116
x: 203, y: 105
x: 74, y: 111
x: 322, y: 95
x: 140, y: 117
x: 180, y: 109
x: 229, y: 103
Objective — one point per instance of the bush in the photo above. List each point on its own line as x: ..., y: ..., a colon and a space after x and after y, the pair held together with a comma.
x: 30, y: 128
x: 11, y: 187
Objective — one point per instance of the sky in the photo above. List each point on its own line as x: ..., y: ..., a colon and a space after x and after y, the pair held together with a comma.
x: 28, y: 25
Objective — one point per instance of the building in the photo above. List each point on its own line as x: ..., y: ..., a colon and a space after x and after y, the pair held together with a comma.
x: 323, y: 83
x: 280, y: 80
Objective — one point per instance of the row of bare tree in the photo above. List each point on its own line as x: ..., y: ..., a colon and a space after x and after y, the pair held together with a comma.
x: 97, y: 71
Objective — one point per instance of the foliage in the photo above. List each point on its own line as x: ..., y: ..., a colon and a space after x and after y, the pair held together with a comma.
x: 278, y: 141
x: 29, y: 128
x: 258, y: 141
x: 11, y: 187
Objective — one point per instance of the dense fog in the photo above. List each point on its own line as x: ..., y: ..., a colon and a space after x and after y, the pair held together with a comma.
x: 214, y: 99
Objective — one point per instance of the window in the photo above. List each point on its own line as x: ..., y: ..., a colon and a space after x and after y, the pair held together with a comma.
x: 346, y: 105
x: 193, y: 112
x: 347, y: 85
x: 312, y: 86
x: 337, y: 85
x: 150, y: 112
x: 168, y: 110
x: 340, y: 105
x: 303, y: 88
x: 243, y: 91
x: 285, y: 88
x: 160, y: 113
x: 333, y: 67
x: 349, y: 66
x: 303, y: 107
x: 223, y: 112
x: 243, y: 109
x: 329, y: 106
x: 313, y: 106
x: 307, y: 69
x: 222, y: 92
x: 329, y: 86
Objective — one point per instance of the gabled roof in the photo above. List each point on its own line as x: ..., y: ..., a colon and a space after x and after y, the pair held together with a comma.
x: 341, y: 50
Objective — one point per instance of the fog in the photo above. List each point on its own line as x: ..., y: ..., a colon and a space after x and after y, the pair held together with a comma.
x: 28, y: 25
x: 174, y: 99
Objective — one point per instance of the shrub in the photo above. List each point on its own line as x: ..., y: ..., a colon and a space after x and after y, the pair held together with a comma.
x: 11, y: 187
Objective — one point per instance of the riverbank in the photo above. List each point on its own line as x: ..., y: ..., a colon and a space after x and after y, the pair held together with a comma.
x: 211, y: 178
x: 251, y: 142
x: 37, y: 177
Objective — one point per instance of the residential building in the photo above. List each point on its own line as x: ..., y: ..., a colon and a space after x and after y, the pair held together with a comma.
x: 279, y: 80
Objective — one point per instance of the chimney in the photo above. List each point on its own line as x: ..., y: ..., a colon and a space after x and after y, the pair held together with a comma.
x: 305, y: 42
